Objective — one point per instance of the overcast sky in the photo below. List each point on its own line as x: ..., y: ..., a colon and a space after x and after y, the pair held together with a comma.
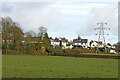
x: 66, y: 19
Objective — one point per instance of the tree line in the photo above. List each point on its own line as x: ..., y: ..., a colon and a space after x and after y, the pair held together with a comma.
x: 15, y: 41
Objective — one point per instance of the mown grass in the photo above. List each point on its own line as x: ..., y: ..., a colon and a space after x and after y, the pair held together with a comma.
x: 58, y: 67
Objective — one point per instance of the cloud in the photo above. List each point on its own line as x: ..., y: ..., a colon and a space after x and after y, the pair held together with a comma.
x: 60, y: 1
x: 7, y: 8
x: 33, y: 15
x: 106, y: 14
x: 62, y: 19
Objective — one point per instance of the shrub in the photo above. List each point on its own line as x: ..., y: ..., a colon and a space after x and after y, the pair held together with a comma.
x: 9, y: 52
x: 57, y: 51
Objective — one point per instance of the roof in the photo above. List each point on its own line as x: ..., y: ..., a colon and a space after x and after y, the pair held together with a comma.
x: 84, y: 40
x: 99, y: 42
x: 109, y: 44
x: 59, y: 39
x: 117, y: 45
x: 56, y: 40
x: 75, y: 41
x: 51, y: 38
x: 80, y: 41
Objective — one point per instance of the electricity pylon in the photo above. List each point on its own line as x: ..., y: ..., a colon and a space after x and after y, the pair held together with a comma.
x: 101, y: 34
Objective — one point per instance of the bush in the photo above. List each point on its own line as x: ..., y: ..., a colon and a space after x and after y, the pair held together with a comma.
x: 30, y: 48
x: 71, y: 52
x: 49, y: 50
x: 57, y: 51
x: 79, y: 51
x: 9, y: 52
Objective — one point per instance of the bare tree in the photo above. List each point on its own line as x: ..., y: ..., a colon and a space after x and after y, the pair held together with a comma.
x: 42, y: 31
x: 30, y: 34
x: 11, y: 33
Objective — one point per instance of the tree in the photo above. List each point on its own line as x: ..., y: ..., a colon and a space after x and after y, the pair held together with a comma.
x: 117, y: 46
x: 46, y: 35
x: 17, y: 36
x: 12, y: 34
x: 0, y: 34
x: 30, y: 34
x: 60, y: 43
x: 6, y: 23
x: 71, y: 42
x: 47, y: 44
x: 42, y: 31
x: 41, y: 34
x: 79, y: 38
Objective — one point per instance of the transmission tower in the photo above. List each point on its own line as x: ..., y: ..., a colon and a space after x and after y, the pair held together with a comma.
x: 101, y: 34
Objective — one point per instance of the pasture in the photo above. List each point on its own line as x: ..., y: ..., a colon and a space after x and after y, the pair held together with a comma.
x: 19, y: 66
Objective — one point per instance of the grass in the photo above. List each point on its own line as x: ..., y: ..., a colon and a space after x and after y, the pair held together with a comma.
x: 58, y: 67
x: 100, y: 54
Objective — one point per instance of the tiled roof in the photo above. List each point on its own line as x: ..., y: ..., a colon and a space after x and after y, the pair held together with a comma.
x: 84, y: 40
x: 109, y: 44
x: 58, y: 39
x: 51, y: 38
x: 76, y: 41
x: 80, y: 41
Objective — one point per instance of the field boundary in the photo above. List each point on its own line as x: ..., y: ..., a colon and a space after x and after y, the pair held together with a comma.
x: 60, y: 79
x: 90, y: 56
x: 76, y: 55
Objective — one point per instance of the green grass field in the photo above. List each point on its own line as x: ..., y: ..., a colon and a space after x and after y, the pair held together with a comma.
x: 58, y: 67
x: 101, y: 54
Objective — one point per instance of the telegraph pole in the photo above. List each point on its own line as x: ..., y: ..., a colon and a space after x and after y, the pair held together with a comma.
x: 101, y: 34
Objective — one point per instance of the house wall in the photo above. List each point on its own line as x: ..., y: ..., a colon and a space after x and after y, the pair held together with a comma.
x: 94, y: 44
x: 85, y: 45
x: 68, y: 47
x: 76, y: 44
x: 64, y: 43
x: 57, y: 43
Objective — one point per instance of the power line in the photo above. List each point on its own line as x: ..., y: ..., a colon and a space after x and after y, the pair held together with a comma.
x: 110, y: 18
x: 112, y: 13
x: 101, y: 34
x: 101, y: 29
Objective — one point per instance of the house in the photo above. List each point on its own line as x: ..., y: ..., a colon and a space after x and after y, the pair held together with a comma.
x: 80, y: 42
x: 69, y: 46
x: 64, y: 42
x: 57, y: 41
x: 94, y: 44
x: 112, y: 51
x: 117, y: 47
x: 109, y: 45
